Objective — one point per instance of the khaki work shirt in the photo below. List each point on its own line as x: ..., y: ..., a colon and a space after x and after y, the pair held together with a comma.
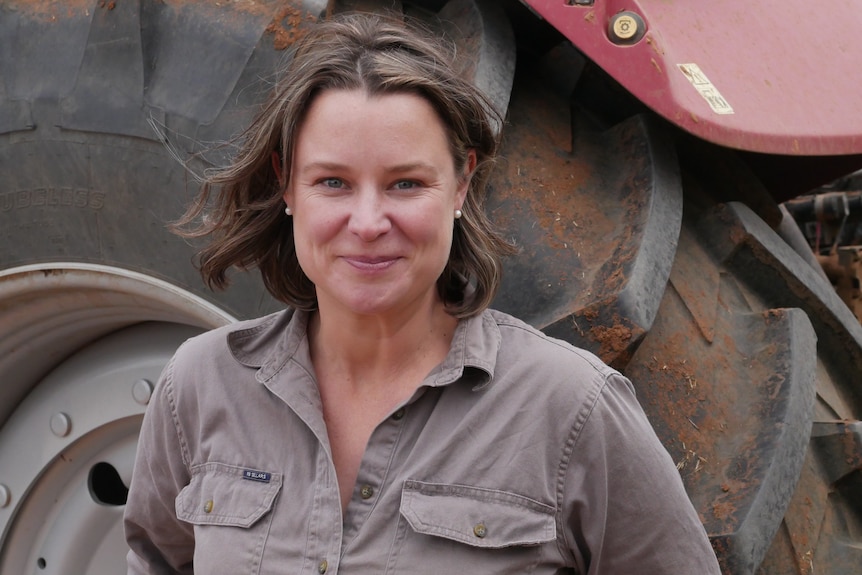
x: 518, y: 454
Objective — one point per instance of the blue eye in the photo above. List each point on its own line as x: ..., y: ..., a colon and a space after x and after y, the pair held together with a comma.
x: 405, y: 185
x: 332, y: 182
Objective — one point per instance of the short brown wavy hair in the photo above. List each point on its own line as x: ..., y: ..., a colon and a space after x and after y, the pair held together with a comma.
x: 379, y: 54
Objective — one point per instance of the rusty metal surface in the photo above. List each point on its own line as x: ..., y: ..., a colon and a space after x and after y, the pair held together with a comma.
x: 830, y: 225
x: 844, y: 269
x: 785, y: 69
x: 850, y: 261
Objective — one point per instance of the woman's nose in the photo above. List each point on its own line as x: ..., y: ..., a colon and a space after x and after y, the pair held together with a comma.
x: 368, y: 218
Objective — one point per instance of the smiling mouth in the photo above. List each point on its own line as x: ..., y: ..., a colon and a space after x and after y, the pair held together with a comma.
x: 366, y: 263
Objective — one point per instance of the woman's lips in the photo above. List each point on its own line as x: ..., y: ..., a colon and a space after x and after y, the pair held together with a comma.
x: 371, y: 263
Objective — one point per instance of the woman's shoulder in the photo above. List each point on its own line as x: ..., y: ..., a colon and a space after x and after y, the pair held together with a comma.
x: 526, y: 343
x: 247, y: 343
x: 549, y: 374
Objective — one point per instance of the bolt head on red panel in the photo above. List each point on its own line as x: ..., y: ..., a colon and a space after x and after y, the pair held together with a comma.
x: 626, y: 28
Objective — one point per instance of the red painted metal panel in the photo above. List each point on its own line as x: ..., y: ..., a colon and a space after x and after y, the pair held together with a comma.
x: 791, y: 70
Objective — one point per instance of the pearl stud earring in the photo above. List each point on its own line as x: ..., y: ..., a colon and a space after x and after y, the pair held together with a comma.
x: 458, y: 214
x: 288, y: 211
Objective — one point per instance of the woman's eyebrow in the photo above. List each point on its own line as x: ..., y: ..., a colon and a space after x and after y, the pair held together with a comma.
x: 395, y: 169
x: 411, y: 167
x: 321, y: 165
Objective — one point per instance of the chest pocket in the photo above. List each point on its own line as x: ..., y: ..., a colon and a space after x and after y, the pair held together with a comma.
x: 477, y: 517
x: 231, y: 510
x: 220, y: 494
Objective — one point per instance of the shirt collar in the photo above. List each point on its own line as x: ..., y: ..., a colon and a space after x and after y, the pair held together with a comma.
x: 270, y: 342
x: 474, y: 349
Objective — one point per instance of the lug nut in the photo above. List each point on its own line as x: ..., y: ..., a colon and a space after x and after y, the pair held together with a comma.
x: 61, y: 424
x: 142, y: 391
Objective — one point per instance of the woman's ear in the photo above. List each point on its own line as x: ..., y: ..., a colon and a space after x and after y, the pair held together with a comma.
x: 276, y: 167
x: 282, y: 184
x: 467, y: 176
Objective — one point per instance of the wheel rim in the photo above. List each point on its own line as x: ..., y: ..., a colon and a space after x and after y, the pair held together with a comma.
x: 81, y: 347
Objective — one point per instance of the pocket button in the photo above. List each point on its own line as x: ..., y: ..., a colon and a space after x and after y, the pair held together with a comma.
x: 479, y: 530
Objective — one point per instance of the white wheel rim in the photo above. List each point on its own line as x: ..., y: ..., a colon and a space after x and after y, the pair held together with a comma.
x: 80, y: 347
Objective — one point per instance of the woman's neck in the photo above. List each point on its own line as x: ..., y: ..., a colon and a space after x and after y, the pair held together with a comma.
x: 379, y: 350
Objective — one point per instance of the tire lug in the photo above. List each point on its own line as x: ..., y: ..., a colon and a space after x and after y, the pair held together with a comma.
x: 840, y: 442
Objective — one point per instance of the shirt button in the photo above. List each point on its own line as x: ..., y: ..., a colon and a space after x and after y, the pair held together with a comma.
x: 479, y: 530
x: 366, y: 492
x: 208, y: 506
x: 398, y: 415
x: 322, y: 567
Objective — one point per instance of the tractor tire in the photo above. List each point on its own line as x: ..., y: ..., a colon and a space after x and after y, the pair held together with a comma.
x: 655, y: 250
x: 103, y: 107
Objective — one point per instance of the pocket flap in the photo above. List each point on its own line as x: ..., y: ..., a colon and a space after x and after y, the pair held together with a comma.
x: 220, y: 494
x: 476, y: 516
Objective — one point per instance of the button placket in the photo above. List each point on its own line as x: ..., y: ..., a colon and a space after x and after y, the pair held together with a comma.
x: 371, y: 480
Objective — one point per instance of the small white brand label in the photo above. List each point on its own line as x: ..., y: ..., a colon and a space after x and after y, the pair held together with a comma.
x: 705, y: 88
x: 253, y: 475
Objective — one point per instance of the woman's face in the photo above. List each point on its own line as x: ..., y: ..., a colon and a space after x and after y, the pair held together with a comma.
x: 374, y: 190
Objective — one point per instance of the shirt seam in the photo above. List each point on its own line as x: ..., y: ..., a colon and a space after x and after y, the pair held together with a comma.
x: 601, y: 368
x: 566, y: 547
x: 283, y: 366
x: 473, y: 493
x: 175, y: 419
x: 257, y: 559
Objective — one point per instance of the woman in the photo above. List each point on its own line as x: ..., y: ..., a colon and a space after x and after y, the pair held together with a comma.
x: 388, y: 422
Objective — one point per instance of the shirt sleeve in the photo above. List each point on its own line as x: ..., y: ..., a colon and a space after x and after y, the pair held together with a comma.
x: 624, y: 500
x: 160, y: 544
